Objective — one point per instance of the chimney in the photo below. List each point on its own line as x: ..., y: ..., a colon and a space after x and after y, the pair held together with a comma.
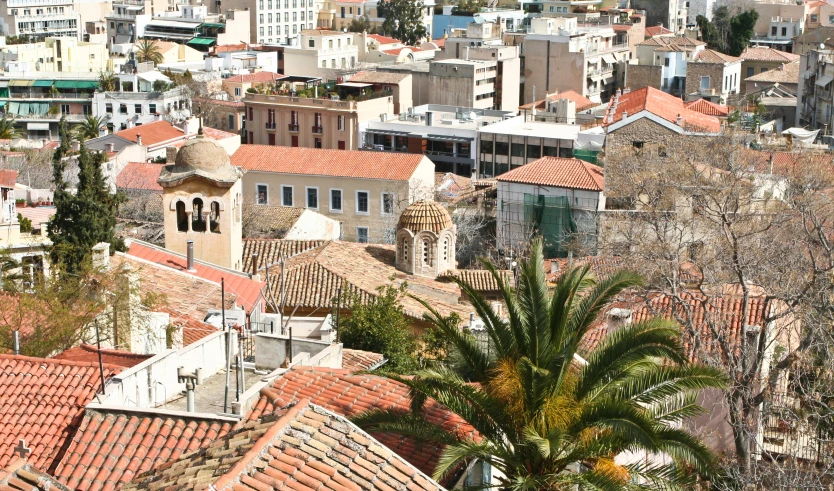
x: 626, y: 90
x: 554, y: 267
x: 109, y: 147
x: 255, y: 275
x: 101, y: 256
x: 625, y: 114
x: 680, y: 120
x: 138, y: 138
x: 170, y: 155
x: 617, y: 318
x: 190, y: 257
x: 619, y: 92
x: 429, y: 118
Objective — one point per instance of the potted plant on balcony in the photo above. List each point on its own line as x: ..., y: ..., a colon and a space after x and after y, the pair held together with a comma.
x: 20, y: 203
x: 53, y: 110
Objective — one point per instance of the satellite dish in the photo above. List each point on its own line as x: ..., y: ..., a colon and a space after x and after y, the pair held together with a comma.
x: 822, y: 45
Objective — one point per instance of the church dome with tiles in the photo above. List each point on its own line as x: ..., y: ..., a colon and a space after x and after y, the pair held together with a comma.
x: 426, y: 239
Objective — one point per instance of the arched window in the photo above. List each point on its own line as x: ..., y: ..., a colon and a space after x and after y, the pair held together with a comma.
x: 182, y: 218
x: 214, y: 218
x: 198, y: 221
x: 426, y: 252
x: 405, y: 251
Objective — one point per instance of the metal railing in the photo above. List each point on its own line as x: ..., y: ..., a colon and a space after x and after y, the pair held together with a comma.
x: 293, y: 127
x: 270, y: 125
x: 788, y: 432
x: 318, y: 130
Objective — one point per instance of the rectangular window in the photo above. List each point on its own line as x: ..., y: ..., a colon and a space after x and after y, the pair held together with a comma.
x: 65, y: 109
x: 108, y: 108
x: 517, y: 149
x: 773, y: 30
x: 341, y: 123
x: 263, y: 194
x: 152, y: 108
x: 316, y: 142
x: 502, y: 148
x: 831, y: 19
x: 286, y: 195
x: 362, y: 202
x: 705, y: 82
x: 387, y: 204
x: 311, y: 43
x: 313, y: 198
x: 534, y: 151
x: 486, y: 146
x: 336, y: 200
x: 137, y: 108
x: 122, y: 108
x: 251, y: 114
x: 341, y: 144
x: 784, y: 31
x: 750, y: 71
x: 231, y: 124
x: 362, y: 235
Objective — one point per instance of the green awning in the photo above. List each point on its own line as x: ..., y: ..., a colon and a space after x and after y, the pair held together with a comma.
x: 87, y: 84
x: 65, y: 84
x: 3, y: 103
x: 212, y: 24
x: 202, y: 41
x: 43, y: 83
x: 21, y: 83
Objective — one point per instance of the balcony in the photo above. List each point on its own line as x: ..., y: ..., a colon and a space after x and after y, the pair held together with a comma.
x: 318, y: 130
x: 270, y: 125
x: 293, y: 127
x: 39, y: 95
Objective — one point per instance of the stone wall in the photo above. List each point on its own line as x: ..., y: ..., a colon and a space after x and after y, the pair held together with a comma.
x: 640, y: 76
x: 694, y: 72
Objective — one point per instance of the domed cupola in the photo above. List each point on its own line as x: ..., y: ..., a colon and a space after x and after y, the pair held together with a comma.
x: 426, y: 239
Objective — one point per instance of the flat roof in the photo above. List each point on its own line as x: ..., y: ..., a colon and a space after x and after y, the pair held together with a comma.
x: 534, y: 128
x: 418, y: 66
x: 354, y: 84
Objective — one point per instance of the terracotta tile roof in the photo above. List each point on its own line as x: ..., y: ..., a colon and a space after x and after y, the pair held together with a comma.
x: 354, y: 360
x: 397, y: 51
x: 314, y: 279
x: 153, y: 133
x: 351, y: 394
x: 215, y: 134
x: 787, y: 73
x: 712, y: 56
x: 187, y: 295
x: 558, y: 172
x: 307, y: 448
x: 661, y: 104
x: 601, y: 266
x: 270, y: 251
x: 370, y: 77
x: 479, y: 279
x: 43, y: 401
x: 622, y: 27
x: 274, y: 220
x: 113, y: 445
x: 762, y: 53
x: 259, y: 77
x: 704, y: 106
x: 140, y: 176
x: 89, y: 353
x: 657, y: 31
x: 223, y: 48
x: 8, y: 178
x: 384, y: 39
x: 248, y: 291
x: 673, y: 43
x: 440, y: 42
x: 193, y: 330
x: 425, y: 215
x: 582, y: 102
x: 19, y: 475
x: 334, y: 163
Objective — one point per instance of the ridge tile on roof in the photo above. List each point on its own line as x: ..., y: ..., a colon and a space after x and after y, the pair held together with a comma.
x: 661, y: 104
x: 19, y: 475
x: 558, y: 172
x: 89, y: 353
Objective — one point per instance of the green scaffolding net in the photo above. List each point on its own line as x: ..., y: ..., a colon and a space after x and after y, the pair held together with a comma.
x: 550, y: 217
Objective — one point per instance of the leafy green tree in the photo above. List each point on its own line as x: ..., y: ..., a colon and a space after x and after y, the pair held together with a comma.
x: 360, y: 24
x: 541, y: 411
x: 381, y: 326
x: 403, y: 20
x: 741, y: 28
x: 728, y: 33
x: 85, y: 218
x: 89, y: 128
x: 149, y: 51
x: 25, y: 224
x: 8, y: 131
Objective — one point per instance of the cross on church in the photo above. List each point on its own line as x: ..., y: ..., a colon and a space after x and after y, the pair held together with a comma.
x: 21, y: 449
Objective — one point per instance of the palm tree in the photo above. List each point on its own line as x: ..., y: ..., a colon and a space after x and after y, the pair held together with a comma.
x: 544, y: 412
x: 148, y: 51
x: 8, y: 131
x: 89, y: 128
x: 107, y: 81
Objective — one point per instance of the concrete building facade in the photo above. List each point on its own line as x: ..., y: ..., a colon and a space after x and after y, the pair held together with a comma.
x: 713, y: 76
x: 65, y: 55
x: 320, y: 53
x: 40, y: 19
x: 276, y: 21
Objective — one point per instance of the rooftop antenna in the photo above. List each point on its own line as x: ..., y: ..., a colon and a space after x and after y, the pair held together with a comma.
x: 228, y: 342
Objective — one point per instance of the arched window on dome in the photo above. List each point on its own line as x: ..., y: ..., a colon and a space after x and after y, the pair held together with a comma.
x: 214, y: 217
x: 198, y: 221
x: 182, y: 217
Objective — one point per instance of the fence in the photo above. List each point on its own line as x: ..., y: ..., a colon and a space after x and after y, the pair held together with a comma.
x: 789, y: 433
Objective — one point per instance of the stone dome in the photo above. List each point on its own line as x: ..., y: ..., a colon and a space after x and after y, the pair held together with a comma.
x: 202, y: 155
x: 425, y: 215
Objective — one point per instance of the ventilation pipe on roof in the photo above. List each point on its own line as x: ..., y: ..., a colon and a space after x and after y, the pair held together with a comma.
x: 429, y: 118
x: 109, y: 147
x: 191, y: 381
x: 16, y: 342
x: 255, y: 275
x: 680, y: 120
x: 190, y: 257
x: 138, y: 138
x: 625, y: 114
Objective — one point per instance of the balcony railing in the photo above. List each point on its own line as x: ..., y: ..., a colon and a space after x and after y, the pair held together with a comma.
x: 270, y: 125
x: 293, y: 127
x: 318, y: 130
x: 37, y: 95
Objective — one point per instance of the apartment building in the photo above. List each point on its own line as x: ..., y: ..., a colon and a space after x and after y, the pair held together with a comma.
x: 671, y: 14
x: 38, y: 104
x: 560, y: 54
x: 759, y: 59
x: 198, y: 28
x: 779, y: 22
x: 364, y: 191
x: 713, y: 76
x: 320, y: 53
x: 66, y: 55
x: 40, y: 19
x: 128, y: 108
x: 814, y: 95
x: 338, y: 14
x: 126, y: 23
x: 662, y: 63
x: 309, y: 122
x: 276, y: 21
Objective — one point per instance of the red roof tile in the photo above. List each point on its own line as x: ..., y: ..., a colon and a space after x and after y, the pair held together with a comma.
x: 256, y: 78
x: 335, y: 163
x: 582, y: 102
x: 660, y: 104
x: 712, y: 56
x: 349, y: 395
x: 384, y: 39
x: 397, y: 51
x: 304, y: 447
x: 113, y: 445
x: 355, y: 360
x: 22, y: 476
x: 247, y: 290
x: 657, y: 31
x: 140, y: 176
x: 704, y: 106
x: 622, y: 27
x: 153, y: 133
x: 558, y: 172
x: 8, y: 178
x: 215, y: 134
x: 43, y: 401
x: 89, y: 353
x: 763, y: 53
x: 193, y: 330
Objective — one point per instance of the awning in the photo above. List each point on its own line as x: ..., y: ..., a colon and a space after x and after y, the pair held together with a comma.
x: 354, y: 84
x: 389, y: 132
x: 4, y: 83
x: 824, y: 80
x: 37, y: 126
x: 66, y: 84
x: 21, y: 83
x: 86, y: 84
x: 609, y: 59
x: 43, y: 83
x: 3, y: 103
x: 448, y: 138
x: 202, y: 41
x: 212, y: 24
